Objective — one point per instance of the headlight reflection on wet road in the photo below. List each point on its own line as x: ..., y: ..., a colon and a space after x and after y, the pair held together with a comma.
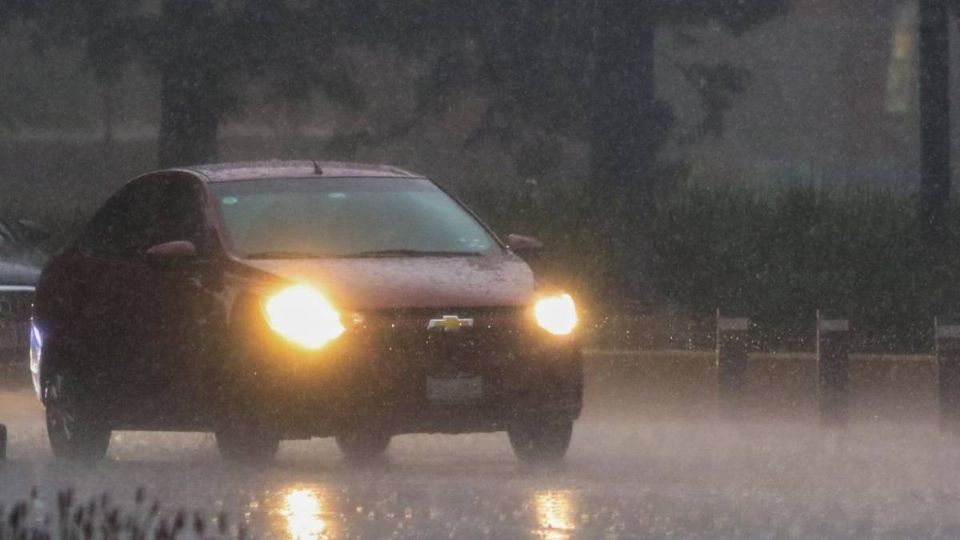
x: 304, y: 510
x: 555, y: 514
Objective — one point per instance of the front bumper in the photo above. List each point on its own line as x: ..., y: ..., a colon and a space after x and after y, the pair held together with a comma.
x: 380, y: 373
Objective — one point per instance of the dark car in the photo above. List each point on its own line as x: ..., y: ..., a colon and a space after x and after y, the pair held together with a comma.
x: 270, y: 301
x: 20, y: 261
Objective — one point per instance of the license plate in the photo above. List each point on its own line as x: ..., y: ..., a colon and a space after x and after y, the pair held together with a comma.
x: 454, y: 389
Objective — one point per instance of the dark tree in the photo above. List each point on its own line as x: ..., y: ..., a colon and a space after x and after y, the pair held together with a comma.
x: 110, y: 31
x: 208, y: 51
x: 205, y: 53
x: 571, y: 67
x: 934, y: 117
x: 580, y: 68
x: 630, y: 123
x: 193, y: 90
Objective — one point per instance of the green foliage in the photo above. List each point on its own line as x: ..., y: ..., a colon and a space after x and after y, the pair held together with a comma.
x: 206, y: 52
x: 572, y: 70
x: 576, y: 69
x: 856, y: 254
x: 776, y: 258
x: 566, y: 220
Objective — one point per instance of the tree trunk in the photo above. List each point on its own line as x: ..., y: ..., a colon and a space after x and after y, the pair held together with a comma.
x: 628, y: 128
x: 934, y: 117
x: 190, y: 96
x: 627, y: 122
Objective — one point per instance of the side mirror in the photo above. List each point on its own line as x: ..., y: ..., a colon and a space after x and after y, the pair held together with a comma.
x: 524, y: 245
x: 173, y: 254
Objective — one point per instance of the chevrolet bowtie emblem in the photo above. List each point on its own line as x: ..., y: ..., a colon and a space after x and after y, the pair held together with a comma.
x: 449, y: 323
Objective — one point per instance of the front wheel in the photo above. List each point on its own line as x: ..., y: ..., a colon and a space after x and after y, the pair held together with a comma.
x: 247, y: 445
x: 541, y: 440
x: 73, y: 428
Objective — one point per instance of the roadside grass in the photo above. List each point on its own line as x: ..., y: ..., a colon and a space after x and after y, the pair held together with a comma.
x: 99, y: 517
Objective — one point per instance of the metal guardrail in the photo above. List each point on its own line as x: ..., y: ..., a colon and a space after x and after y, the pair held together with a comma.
x: 15, y: 307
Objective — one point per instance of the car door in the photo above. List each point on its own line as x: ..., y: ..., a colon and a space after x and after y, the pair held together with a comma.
x: 175, y: 302
x: 109, y: 329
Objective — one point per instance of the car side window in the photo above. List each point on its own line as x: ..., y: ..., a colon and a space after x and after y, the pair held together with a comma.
x: 121, y: 228
x: 179, y: 213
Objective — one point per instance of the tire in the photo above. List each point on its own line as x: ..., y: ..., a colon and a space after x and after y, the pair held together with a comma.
x: 363, y: 444
x: 541, y: 440
x: 246, y: 444
x: 73, y: 427
x: 243, y: 432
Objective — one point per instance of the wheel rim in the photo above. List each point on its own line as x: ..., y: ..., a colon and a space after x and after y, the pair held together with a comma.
x: 62, y: 411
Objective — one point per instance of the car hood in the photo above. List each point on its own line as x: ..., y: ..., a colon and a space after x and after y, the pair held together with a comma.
x: 413, y: 282
x: 20, y: 274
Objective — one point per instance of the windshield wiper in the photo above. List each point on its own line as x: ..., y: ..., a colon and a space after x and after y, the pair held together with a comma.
x: 284, y: 254
x: 409, y: 253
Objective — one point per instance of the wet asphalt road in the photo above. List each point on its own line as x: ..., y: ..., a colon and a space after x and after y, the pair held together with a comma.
x: 628, y: 475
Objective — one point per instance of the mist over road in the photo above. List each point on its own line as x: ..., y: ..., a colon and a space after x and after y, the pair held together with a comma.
x: 632, y: 471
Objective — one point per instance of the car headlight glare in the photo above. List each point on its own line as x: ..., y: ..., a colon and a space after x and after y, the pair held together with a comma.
x: 556, y: 314
x: 304, y: 316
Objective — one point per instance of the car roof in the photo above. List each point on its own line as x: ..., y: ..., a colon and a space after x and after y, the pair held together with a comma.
x: 252, y: 170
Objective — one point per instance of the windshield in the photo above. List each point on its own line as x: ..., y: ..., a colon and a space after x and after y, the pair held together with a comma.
x: 346, y: 217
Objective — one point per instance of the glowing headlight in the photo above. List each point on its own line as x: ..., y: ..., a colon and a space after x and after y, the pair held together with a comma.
x: 556, y: 314
x: 303, y: 316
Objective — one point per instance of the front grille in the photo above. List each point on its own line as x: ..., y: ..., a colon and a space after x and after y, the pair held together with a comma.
x: 405, y: 352
x: 408, y: 330
x: 15, y: 306
x: 485, y: 320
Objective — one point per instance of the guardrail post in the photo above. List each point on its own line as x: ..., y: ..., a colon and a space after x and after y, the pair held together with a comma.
x: 948, y: 374
x: 732, y: 335
x: 833, y: 365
